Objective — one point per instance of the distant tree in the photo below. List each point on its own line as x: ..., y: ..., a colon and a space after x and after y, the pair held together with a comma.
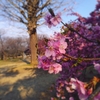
x: 14, y: 47
x: 2, y: 48
x: 29, y: 12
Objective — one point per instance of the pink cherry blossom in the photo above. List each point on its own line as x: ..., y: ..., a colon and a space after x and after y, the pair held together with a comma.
x: 50, y: 50
x: 52, y: 20
x: 62, y: 46
x: 63, y: 97
x: 52, y: 98
x: 51, y: 69
x: 80, y: 87
x: 97, y: 66
x: 98, y: 0
x: 55, y: 68
x: 58, y: 95
x: 56, y: 20
x: 71, y: 98
x: 81, y: 40
x: 43, y: 62
x: 47, y: 20
x: 56, y: 47
x: 49, y: 53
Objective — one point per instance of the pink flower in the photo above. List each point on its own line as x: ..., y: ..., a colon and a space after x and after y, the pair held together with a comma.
x: 56, y: 20
x: 51, y: 69
x: 56, y: 47
x: 49, y: 53
x: 52, y: 20
x: 97, y: 66
x: 47, y: 20
x: 98, y: 0
x: 52, y: 98
x: 80, y: 87
x: 71, y: 98
x: 55, y: 68
x: 63, y: 97
x: 62, y: 46
x: 44, y: 62
x: 58, y: 95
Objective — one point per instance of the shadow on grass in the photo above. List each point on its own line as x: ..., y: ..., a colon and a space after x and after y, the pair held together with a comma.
x: 35, y: 87
x: 11, y: 73
x: 8, y: 71
x: 26, y: 61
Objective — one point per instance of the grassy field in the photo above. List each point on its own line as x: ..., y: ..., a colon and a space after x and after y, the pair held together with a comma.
x: 21, y: 81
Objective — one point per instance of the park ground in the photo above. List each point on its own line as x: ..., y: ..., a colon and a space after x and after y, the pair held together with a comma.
x: 21, y: 81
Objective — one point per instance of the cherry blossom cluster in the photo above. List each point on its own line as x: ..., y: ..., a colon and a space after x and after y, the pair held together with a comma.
x: 54, y: 51
x: 75, y: 55
x: 80, y: 87
x: 52, y: 20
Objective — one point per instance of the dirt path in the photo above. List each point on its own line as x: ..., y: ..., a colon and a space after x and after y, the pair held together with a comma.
x: 23, y: 82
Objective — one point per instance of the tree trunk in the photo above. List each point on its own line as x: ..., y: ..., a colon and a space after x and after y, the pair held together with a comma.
x: 3, y: 56
x: 33, y: 47
x: 32, y: 7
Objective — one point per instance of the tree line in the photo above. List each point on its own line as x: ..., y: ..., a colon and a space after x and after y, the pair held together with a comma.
x: 14, y: 47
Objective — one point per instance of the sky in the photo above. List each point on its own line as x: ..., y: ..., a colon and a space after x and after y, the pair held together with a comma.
x: 83, y: 7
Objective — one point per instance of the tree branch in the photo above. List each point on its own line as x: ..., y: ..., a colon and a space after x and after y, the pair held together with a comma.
x: 94, y: 94
x: 82, y: 59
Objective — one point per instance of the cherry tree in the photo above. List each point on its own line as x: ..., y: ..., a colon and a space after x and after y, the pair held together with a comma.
x: 74, y: 53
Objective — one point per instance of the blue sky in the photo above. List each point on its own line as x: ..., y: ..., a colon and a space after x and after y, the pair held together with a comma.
x: 83, y: 7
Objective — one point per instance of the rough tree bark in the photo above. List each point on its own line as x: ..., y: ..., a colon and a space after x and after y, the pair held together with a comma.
x: 33, y: 47
x: 32, y: 25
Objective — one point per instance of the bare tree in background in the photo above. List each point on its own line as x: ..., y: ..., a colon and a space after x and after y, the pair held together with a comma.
x: 14, y: 47
x: 2, y: 48
x: 29, y: 12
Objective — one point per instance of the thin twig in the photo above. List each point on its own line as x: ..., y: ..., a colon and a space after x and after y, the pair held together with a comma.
x: 73, y: 30
x: 83, y: 59
x: 94, y: 94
